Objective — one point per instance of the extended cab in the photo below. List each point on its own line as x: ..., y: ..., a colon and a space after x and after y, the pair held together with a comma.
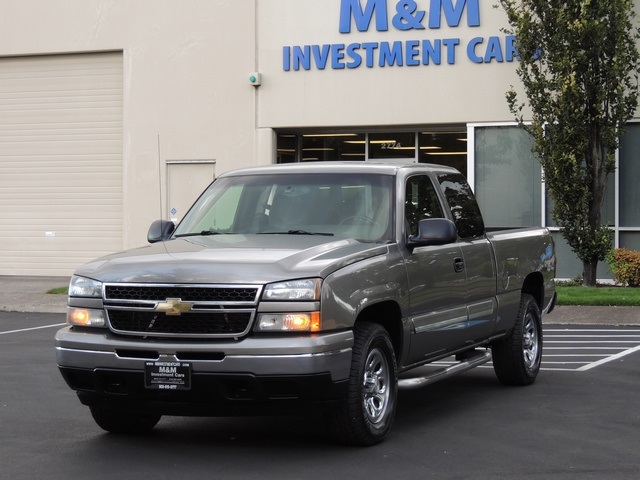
x: 303, y: 286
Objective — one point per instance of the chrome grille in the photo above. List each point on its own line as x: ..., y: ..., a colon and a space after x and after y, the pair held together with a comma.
x: 212, y: 311
x: 226, y: 294
x: 154, y: 323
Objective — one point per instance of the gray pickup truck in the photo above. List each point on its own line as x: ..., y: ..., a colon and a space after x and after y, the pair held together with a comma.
x: 306, y: 288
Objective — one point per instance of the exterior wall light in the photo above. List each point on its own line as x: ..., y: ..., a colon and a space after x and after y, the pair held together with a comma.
x: 255, y: 78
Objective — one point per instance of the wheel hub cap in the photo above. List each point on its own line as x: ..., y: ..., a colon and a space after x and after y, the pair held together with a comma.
x: 530, y: 343
x: 375, y: 386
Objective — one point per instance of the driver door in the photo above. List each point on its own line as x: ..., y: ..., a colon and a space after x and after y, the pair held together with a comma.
x: 437, y: 284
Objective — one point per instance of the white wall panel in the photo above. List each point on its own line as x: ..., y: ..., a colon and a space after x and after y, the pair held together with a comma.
x: 61, y: 161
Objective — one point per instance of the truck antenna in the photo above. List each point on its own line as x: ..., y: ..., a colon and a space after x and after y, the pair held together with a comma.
x: 160, y: 194
x: 160, y: 180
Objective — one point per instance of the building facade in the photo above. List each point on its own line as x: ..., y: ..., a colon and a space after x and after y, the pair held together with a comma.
x: 115, y: 113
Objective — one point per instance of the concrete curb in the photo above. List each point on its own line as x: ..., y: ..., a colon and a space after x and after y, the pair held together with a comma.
x: 575, y: 315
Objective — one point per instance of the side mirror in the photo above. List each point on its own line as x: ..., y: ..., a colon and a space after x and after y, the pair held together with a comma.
x: 160, y: 230
x: 433, y: 231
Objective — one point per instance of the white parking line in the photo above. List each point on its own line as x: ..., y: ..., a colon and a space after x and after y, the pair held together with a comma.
x: 582, y: 348
x: 578, y: 355
x: 592, y: 336
x: 599, y: 330
x: 32, y: 328
x: 564, y: 363
x: 592, y: 341
x: 609, y: 359
x: 563, y: 343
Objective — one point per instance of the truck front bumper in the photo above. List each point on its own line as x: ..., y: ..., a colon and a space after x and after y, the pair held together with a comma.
x: 227, y: 377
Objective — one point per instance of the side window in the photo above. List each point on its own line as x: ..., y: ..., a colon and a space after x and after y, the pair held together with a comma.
x: 464, y: 208
x: 421, y: 202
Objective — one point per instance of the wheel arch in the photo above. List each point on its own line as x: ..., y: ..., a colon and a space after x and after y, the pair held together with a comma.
x: 534, y: 285
x: 388, y: 315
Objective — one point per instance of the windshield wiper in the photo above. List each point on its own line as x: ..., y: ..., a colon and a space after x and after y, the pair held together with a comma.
x: 199, y: 234
x: 304, y: 232
x: 297, y: 232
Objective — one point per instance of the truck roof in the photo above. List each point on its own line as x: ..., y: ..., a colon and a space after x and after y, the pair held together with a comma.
x: 380, y: 168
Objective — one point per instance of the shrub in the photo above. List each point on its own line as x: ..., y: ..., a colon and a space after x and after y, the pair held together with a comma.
x: 625, y: 266
x: 574, y: 282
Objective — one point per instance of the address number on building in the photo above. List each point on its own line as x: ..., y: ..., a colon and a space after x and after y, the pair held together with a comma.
x: 167, y: 375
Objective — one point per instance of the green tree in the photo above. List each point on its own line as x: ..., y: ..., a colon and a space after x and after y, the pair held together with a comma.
x: 579, y: 70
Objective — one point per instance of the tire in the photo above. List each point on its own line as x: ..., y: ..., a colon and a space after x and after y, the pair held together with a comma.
x: 516, y: 357
x: 366, y: 415
x: 123, y: 422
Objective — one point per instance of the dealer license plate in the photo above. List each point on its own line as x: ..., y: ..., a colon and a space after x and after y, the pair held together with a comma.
x: 167, y: 375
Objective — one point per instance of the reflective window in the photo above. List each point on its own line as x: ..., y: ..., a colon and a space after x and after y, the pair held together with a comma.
x: 630, y: 240
x: 392, y: 145
x: 332, y: 146
x: 629, y: 175
x: 508, y: 177
x: 438, y: 146
x: 607, y: 211
x: 444, y: 148
x: 286, y: 148
x: 421, y: 201
x: 568, y: 264
x: 464, y: 208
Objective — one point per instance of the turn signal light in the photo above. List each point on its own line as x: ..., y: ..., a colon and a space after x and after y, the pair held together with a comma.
x: 289, y: 322
x: 85, y: 317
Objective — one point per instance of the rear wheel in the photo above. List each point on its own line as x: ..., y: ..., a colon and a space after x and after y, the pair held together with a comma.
x: 123, y: 422
x: 366, y: 415
x: 516, y: 358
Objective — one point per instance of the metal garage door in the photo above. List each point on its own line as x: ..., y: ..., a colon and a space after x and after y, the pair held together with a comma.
x: 60, y: 161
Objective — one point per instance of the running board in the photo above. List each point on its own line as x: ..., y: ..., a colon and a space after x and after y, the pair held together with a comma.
x: 474, y: 359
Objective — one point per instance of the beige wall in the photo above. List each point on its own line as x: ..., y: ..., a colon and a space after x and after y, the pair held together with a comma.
x: 187, y: 64
x: 463, y: 92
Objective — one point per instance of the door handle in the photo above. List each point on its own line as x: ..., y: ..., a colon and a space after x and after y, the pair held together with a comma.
x: 458, y: 265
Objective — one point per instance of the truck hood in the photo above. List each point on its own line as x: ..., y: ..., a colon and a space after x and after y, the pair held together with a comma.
x: 246, y: 259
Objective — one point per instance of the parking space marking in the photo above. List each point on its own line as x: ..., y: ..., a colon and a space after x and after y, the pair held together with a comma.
x: 582, y: 349
x: 579, y: 349
x: 32, y: 328
x: 610, y: 359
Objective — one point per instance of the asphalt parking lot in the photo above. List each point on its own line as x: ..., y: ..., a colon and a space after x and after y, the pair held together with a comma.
x: 580, y: 420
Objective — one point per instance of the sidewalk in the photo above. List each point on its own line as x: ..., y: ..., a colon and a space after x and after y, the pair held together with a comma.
x: 29, y: 294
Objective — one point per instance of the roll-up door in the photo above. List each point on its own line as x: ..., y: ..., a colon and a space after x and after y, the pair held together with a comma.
x: 60, y: 161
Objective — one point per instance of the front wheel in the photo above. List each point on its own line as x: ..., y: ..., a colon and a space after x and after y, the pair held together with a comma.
x: 517, y: 357
x: 123, y: 422
x: 365, y: 416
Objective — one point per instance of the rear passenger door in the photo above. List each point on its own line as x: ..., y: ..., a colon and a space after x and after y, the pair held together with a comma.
x: 437, y: 286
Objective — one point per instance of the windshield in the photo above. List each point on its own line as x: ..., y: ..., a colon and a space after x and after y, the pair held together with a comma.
x: 343, y: 206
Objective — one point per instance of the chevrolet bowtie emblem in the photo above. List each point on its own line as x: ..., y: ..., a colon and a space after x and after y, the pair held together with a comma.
x: 173, y: 306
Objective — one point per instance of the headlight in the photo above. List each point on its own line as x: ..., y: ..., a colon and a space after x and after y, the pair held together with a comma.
x: 85, y: 317
x: 306, y: 289
x: 289, y: 322
x: 84, y: 287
